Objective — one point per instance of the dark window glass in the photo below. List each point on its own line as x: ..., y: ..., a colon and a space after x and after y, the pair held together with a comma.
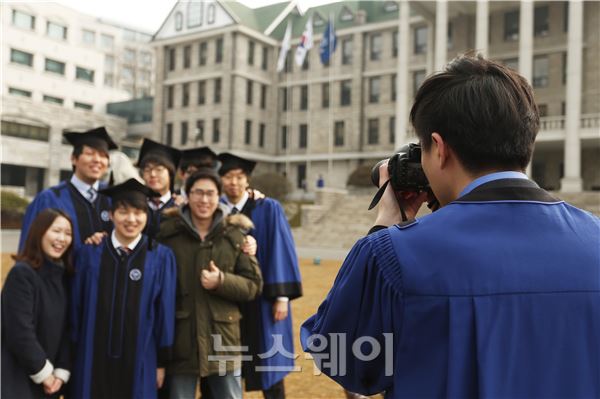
x: 373, y: 133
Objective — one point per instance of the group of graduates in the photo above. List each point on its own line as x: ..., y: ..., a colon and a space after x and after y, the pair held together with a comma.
x: 135, y: 290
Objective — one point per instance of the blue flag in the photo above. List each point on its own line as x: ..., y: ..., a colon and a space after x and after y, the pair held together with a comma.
x: 328, y: 43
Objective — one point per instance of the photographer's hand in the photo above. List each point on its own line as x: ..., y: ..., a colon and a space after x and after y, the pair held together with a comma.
x: 388, y: 210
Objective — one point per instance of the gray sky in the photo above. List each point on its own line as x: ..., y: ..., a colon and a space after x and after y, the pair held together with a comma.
x: 148, y: 15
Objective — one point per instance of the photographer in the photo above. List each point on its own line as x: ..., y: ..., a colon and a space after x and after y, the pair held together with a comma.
x: 497, y: 293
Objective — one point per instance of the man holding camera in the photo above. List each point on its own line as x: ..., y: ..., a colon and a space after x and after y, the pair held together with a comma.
x: 497, y: 293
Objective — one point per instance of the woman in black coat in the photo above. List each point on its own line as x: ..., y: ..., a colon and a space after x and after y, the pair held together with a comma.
x: 35, y: 344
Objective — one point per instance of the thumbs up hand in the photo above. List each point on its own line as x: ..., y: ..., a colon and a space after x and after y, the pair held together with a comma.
x: 211, y: 277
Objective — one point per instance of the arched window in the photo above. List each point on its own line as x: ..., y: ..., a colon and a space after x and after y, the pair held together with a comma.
x: 212, y: 10
x: 195, y: 9
x: 178, y: 21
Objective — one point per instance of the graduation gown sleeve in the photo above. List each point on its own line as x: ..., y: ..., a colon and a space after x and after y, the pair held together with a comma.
x: 359, y: 314
x: 165, y: 307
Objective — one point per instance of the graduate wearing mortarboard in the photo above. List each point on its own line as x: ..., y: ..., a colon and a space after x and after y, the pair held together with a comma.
x: 158, y: 164
x: 79, y: 197
x: 279, y: 266
x: 191, y: 160
x: 123, y: 304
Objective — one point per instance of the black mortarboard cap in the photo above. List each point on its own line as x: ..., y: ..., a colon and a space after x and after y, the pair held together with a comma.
x: 230, y: 161
x: 97, y: 138
x: 159, y: 152
x: 201, y: 157
x: 129, y: 189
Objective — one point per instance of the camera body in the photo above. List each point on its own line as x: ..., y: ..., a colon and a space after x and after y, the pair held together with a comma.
x: 405, y: 170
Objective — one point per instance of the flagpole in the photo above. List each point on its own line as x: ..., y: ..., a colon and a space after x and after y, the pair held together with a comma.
x: 329, y: 133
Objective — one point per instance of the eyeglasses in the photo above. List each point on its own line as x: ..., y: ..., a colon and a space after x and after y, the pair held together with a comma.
x: 197, y: 193
x: 157, y: 169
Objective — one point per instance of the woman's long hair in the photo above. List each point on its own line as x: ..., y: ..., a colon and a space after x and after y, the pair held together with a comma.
x: 32, y: 253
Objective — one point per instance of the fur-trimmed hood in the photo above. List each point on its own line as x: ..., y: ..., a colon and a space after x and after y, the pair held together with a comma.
x: 239, y: 220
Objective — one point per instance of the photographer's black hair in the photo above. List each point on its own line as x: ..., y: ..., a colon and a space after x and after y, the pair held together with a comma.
x: 485, y: 111
x: 204, y: 173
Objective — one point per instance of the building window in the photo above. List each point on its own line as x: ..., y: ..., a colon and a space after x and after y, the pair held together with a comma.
x: 511, y: 25
x: 216, y: 136
x: 393, y: 95
x: 390, y: 6
x: 347, y: 51
x: 565, y: 16
x: 284, y: 99
x: 287, y: 66
x: 53, y: 100
x: 187, y: 56
x: 84, y: 74
x: 263, y: 96
x: 303, y: 98
x: 375, y: 47
x: 261, y: 135
x: 170, y: 96
x: 56, y: 31
x: 346, y: 15
x: 392, y: 129
x: 345, y: 92
x: 109, y: 79
x: 169, y: 134
x: 55, y: 66
x: 185, y: 94
x: 127, y: 75
x: 200, y: 130
x: 219, y: 51
x: 21, y: 57
x: 265, y: 58
x: 14, y: 129
x: 18, y: 92
x: 211, y: 14
x: 146, y: 58
x: 250, y: 53
x: 88, y: 37
x: 195, y: 10
x: 373, y: 134
x: 420, y: 40
x: 201, y: 92
x: 338, y: 134
x: 374, y: 90
x: 284, y: 137
x: 107, y: 41
x: 303, y: 137
x: 395, y: 44
x: 83, y: 106
x: 541, y: 24
x: 129, y: 56
x: 418, y: 78
x: 178, y: 21
x: 541, y: 69
x: 248, y: 132
x: 249, y: 92
x: 172, y: 59
x: 543, y: 110
x: 202, y: 51
x: 217, y: 93
x: 325, y: 95
x: 109, y: 63
x: 301, y: 177
x: 23, y: 20
x: 184, y: 133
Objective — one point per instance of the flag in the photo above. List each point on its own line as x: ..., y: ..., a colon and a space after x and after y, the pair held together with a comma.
x: 285, y: 47
x: 306, y: 42
x: 328, y: 43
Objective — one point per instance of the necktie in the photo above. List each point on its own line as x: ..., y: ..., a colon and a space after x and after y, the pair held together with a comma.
x: 124, y: 251
x: 91, y: 194
x: 234, y: 210
x: 157, y: 203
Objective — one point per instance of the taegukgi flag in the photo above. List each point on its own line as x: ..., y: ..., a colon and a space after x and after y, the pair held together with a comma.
x: 285, y: 47
x: 306, y: 42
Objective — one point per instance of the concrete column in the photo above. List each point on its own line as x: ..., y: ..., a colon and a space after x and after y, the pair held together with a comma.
x: 402, y: 75
x: 429, y: 60
x: 526, y: 45
x: 441, y: 34
x: 482, y: 28
x: 572, y: 181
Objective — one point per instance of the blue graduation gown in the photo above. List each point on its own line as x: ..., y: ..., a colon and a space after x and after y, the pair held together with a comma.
x: 495, y: 295
x: 155, y: 217
x: 87, y: 218
x: 123, y: 317
x: 278, y: 262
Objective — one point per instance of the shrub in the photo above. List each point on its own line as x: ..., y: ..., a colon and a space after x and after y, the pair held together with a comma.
x: 272, y: 185
x: 13, y: 209
x: 361, y: 176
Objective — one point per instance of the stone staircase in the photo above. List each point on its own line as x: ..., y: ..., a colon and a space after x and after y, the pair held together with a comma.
x: 340, y: 217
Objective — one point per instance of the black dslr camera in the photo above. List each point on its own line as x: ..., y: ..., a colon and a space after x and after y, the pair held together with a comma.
x: 406, y: 175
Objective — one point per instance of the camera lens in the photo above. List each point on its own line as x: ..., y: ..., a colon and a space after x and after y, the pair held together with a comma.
x: 375, y: 172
